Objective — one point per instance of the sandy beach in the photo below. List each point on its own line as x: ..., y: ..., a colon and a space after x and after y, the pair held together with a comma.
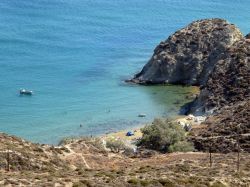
x: 183, y: 120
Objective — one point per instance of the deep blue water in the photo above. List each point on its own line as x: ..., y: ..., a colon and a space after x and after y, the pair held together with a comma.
x: 74, y: 55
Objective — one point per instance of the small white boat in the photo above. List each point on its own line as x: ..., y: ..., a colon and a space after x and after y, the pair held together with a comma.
x: 141, y: 115
x: 25, y: 92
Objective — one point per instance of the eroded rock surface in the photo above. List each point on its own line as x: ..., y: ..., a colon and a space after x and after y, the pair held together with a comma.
x: 190, y: 54
x: 230, y: 81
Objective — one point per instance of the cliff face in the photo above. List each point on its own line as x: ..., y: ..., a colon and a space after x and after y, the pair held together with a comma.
x: 190, y: 54
x: 230, y: 81
x: 227, y: 96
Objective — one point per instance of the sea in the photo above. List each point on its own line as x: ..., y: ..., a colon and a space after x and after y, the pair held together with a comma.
x: 75, y: 55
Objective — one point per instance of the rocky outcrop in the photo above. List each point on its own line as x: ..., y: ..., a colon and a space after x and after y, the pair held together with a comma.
x: 210, y: 53
x: 214, y: 55
x: 230, y: 81
x: 226, y: 95
x: 190, y: 54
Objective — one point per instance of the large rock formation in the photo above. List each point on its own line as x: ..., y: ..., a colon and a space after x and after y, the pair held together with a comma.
x: 189, y: 55
x: 214, y: 55
x: 210, y: 53
x: 230, y: 81
x: 227, y: 96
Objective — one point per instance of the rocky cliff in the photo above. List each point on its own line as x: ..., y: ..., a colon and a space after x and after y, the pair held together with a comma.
x: 210, y: 53
x: 229, y: 82
x: 190, y: 54
x: 214, y: 55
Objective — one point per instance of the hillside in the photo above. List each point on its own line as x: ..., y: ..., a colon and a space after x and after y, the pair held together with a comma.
x: 84, y: 162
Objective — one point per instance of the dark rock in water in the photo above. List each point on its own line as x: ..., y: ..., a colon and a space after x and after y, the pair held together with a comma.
x: 189, y: 55
x: 247, y: 36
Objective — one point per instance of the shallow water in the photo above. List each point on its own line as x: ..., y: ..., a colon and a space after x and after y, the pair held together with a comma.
x: 75, y: 54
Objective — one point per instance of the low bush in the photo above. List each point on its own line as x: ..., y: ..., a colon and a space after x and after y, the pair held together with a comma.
x: 182, y: 146
x: 65, y: 141
x: 115, y: 145
x: 133, y: 181
x: 166, y: 182
x: 218, y: 184
x: 165, y: 136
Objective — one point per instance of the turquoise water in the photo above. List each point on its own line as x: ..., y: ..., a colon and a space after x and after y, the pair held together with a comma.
x: 75, y: 55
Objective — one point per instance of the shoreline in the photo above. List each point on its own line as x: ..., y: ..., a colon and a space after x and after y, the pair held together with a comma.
x: 169, y: 99
x: 121, y: 134
x: 190, y: 120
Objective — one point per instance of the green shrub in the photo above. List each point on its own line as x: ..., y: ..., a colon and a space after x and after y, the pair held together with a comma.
x: 166, y: 182
x: 85, y: 183
x: 115, y: 145
x: 182, y: 168
x: 133, y: 181
x: 97, y: 142
x: 218, y: 184
x: 145, y: 182
x: 164, y: 135
x: 65, y: 141
x: 182, y: 146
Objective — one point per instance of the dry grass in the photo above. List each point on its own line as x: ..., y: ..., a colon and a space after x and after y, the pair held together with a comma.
x: 85, y: 163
